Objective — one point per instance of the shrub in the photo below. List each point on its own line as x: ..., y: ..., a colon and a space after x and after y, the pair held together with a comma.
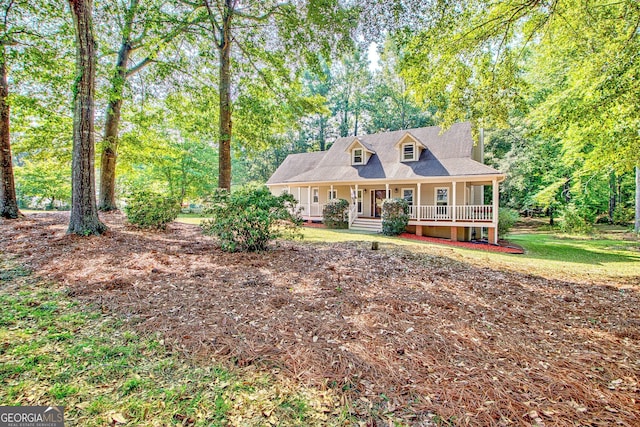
x: 249, y: 218
x: 506, y: 220
x: 575, y: 223
x: 623, y: 216
x: 395, y: 216
x: 334, y: 214
x: 146, y: 209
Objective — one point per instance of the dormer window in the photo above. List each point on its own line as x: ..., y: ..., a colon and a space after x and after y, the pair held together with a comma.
x: 408, y: 152
x: 358, y: 156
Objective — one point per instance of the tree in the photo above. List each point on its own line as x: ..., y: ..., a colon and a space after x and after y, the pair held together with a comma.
x: 149, y: 29
x: 84, y: 211
x: 265, y: 34
x: 569, y: 67
x: 8, y: 200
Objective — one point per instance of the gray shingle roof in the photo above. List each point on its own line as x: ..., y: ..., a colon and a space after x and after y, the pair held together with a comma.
x: 446, y: 154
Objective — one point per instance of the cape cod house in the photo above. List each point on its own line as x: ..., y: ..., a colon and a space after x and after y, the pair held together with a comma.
x: 440, y: 174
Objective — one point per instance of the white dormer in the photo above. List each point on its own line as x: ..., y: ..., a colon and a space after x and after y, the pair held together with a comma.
x: 409, y: 148
x: 360, y: 152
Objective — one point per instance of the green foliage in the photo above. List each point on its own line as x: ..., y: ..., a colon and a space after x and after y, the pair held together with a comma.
x: 150, y: 210
x: 395, y: 216
x: 334, y: 214
x: 623, y: 215
x: 43, y: 182
x: 574, y: 222
x: 506, y: 220
x: 249, y: 218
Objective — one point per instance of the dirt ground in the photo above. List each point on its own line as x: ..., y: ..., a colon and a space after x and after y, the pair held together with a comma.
x: 401, y: 334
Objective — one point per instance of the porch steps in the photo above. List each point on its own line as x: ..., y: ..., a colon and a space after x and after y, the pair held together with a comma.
x: 366, y: 224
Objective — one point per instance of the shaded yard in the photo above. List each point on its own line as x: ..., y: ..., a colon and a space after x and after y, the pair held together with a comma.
x: 409, y: 333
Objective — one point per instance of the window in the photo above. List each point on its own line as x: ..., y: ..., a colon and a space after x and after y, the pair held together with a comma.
x: 407, y: 195
x: 359, y: 199
x: 315, y: 195
x: 408, y: 152
x: 358, y: 156
x: 332, y: 194
x: 442, y: 196
x: 442, y: 202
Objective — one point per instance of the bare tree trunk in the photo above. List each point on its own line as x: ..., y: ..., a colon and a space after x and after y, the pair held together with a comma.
x: 224, y: 172
x: 322, y: 136
x: 612, y: 195
x: 8, y: 199
x: 84, y: 212
x: 107, y: 194
x: 107, y: 201
x: 637, y: 224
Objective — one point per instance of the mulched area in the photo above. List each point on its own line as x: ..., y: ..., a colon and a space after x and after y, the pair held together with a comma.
x: 402, y: 334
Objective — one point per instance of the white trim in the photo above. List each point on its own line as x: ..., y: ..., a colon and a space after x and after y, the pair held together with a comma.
x: 413, y: 194
x: 435, y: 195
x: 353, y: 156
x: 402, y: 153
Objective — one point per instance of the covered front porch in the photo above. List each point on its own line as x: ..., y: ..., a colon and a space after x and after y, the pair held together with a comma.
x: 457, y: 209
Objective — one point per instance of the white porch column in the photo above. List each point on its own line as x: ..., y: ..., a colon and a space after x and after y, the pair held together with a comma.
x: 387, y: 189
x: 453, y: 204
x: 331, y: 191
x: 496, y: 205
x: 309, y: 202
x: 356, y: 201
x: 418, y: 212
x: 299, y: 196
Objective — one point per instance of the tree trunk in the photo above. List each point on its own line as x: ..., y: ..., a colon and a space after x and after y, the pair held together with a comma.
x: 612, y: 195
x: 224, y: 168
x: 322, y: 139
x: 344, y: 125
x: 107, y: 200
x: 637, y: 224
x: 84, y: 212
x: 356, y: 117
x: 8, y: 199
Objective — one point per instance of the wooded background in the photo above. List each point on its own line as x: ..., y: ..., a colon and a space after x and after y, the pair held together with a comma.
x: 196, y: 94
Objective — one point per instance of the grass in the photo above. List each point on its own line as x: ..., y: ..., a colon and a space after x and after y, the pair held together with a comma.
x: 550, y: 255
x: 55, y: 352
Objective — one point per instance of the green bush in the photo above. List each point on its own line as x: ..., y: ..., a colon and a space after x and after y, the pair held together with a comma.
x: 573, y: 222
x: 623, y: 216
x: 395, y: 216
x: 249, y: 218
x: 506, y: 220
x: 335, y: 215
x: 146, y: 209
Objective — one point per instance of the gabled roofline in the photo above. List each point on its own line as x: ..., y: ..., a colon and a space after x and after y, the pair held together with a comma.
x: 409, y: 135
x: 364, y: 145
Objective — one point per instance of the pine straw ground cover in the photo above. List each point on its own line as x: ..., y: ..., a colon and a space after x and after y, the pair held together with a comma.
x: 402, y: 335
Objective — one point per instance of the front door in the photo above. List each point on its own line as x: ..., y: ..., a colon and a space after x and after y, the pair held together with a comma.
x: 376, y: 202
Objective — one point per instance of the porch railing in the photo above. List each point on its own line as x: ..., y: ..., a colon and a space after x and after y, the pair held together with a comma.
x: 314, y: 209
x: 353, y: 213
x: 468, y: 213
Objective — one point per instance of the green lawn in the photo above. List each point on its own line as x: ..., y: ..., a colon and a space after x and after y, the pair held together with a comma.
x: 547, y: 254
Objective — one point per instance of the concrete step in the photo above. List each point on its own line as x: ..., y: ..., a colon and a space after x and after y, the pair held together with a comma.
x: 365, y: 224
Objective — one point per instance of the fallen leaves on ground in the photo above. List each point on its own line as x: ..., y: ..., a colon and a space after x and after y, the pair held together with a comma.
x: 400, y: 333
